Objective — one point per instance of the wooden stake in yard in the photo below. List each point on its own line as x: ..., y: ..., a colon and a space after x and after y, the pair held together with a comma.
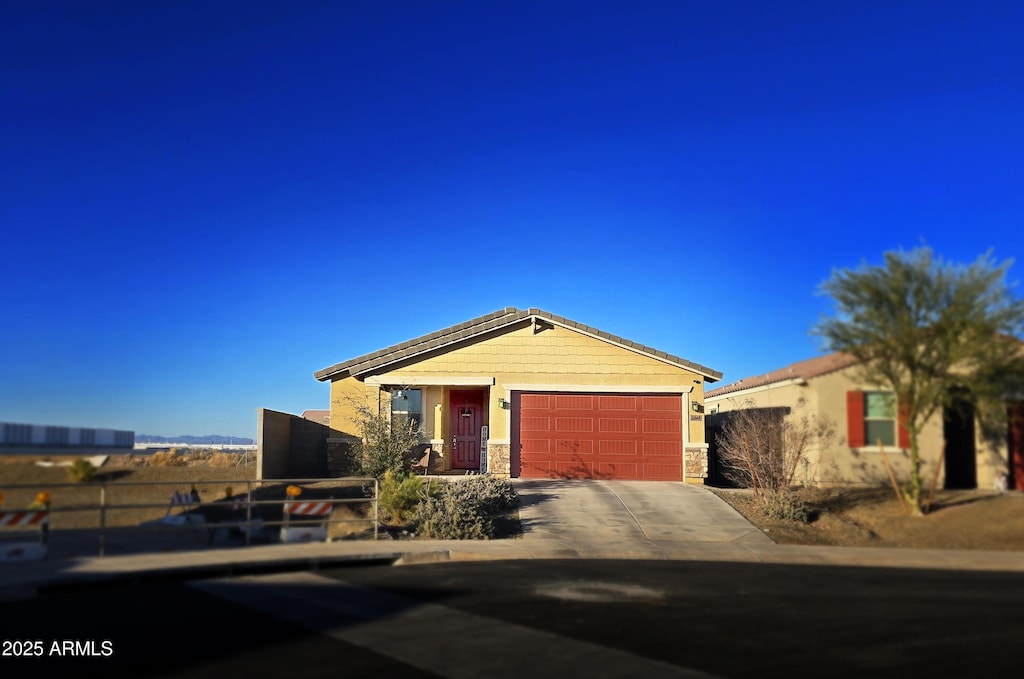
x: 935, y: 480
x: 892, y: 477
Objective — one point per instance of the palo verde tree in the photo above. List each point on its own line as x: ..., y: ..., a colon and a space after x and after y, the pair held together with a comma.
x: 927, y: 329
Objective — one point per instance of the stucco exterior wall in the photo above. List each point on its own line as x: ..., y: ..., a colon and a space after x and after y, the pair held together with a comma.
x: 845, y: 465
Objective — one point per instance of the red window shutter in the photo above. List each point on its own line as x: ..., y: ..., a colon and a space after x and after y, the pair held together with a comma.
x: 901, y: 426
x: 855, y: 419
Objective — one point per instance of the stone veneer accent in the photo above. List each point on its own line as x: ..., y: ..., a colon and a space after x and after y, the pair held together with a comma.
x: 696, y: 464
x: 499, y: 459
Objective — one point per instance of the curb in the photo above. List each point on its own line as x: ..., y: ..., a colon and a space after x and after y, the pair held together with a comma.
x: 179, y: 573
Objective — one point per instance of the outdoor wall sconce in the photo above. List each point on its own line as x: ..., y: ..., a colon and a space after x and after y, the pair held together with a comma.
x: 502, y: 403
x: 697, y: 407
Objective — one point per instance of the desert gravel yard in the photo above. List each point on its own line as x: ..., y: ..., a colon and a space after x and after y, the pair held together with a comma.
x: 872, y: 517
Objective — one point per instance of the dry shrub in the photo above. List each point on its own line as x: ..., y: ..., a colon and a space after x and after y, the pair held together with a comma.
x: 223, y: 460
x: 167, y: 458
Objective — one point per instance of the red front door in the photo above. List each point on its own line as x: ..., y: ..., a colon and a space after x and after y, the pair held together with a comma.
x: 465, y: 418
x: 1016, y: 445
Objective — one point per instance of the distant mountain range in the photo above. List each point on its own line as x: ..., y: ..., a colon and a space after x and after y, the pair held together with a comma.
x: 211, y: 439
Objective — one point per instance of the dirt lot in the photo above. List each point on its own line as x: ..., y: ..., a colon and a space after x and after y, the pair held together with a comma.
x: 872, y: 517
x: 140, y: 490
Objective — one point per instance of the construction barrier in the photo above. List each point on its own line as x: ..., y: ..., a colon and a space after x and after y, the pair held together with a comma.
x: 306, y: 533
x: 25, y: 518
x: 188, y: 501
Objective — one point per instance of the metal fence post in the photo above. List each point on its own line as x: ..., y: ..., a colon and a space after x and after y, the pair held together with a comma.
x: 248, y: 513
x: 103, y: 517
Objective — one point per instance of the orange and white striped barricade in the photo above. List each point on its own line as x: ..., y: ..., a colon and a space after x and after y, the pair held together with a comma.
x: 188, y: 501
x: 25, y: 519
x: 306, y: 513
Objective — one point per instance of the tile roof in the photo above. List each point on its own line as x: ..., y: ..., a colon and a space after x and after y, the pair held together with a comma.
x: 484, y: 324
x: 321, y: 416
x: 806, y: 369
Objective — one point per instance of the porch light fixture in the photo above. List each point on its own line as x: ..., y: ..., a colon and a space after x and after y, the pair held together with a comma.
x: 502, y: 403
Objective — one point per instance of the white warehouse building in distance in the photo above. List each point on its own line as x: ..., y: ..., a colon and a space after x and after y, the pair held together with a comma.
x: 36, y: 437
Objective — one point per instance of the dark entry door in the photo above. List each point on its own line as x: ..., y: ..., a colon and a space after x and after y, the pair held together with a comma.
x: 961, y: 456
x: 465, y: 418
x: 1016, y: 445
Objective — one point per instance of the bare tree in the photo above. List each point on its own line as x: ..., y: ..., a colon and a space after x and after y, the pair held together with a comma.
x: 762, y: 448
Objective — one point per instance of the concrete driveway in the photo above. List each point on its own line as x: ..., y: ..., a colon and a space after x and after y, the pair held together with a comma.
x: 632, y: 519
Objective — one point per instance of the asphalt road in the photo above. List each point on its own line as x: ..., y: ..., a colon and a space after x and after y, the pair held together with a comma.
x: 531, y: 618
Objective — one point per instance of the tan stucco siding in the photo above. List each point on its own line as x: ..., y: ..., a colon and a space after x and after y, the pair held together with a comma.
x: 842, y: 464
x: 552, y: 350
x: 346, y: 394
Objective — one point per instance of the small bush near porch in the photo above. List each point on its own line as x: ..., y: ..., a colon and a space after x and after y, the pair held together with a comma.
x: 465, y: 508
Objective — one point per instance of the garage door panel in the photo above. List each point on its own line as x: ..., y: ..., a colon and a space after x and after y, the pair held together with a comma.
x: 574, y: 424
x: 618, y: 424
x: 618, y: 470
x: 535, y: 401
x: 574, y: 402
x: 662, y: 472
x: 665, y: 403
x: 612, y: 447
x: 535, y: 424
x: 541, y: 446
x: 622, y: 436
x: 617, y: 403
x: 539, y: 469
x: 574, y: 470
x: 662, y: 449
x: 574, y: 447
x: 661, y: 426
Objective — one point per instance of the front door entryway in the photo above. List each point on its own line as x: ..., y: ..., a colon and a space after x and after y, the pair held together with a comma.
x: 958, y: 431
x: 465, y: 419
x: 1015, y: 439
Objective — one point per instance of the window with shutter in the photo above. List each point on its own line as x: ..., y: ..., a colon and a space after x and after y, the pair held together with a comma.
x: 872, y: 418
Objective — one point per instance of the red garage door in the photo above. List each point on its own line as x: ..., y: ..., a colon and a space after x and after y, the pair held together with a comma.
x: 602, y: 436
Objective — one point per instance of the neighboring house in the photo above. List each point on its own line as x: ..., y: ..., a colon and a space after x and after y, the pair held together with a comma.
x: 526, y: 393
x: 319, y: 416
x: 864, y: 414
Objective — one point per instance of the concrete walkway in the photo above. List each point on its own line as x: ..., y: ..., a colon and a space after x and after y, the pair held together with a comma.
x: 561, y: 519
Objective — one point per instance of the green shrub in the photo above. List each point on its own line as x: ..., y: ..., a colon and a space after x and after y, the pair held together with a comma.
x: 81, y: 470
x: 466, y: 509
x: 400, y: 494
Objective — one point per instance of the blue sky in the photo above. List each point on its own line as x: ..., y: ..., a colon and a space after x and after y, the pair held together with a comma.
x: 205, y: 202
